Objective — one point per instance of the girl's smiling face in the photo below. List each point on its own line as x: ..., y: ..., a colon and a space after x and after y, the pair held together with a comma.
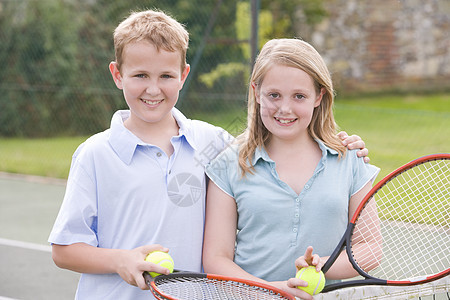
x: 287, y: 98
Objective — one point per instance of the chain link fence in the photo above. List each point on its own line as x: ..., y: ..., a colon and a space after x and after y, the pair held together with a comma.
x: 54, y: 55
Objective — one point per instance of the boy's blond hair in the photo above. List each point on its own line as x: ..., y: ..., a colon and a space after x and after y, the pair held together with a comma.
x: 155, y: 27
x: 297, y: 54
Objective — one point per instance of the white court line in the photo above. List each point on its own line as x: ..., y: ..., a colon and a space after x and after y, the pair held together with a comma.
x: 25, y: 245
x: 33, y: 178
x: 6, y: 298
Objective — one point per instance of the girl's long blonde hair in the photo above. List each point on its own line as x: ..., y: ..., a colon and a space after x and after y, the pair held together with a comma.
x: 298, y: 54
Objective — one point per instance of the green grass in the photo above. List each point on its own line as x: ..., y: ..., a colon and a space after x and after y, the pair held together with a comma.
x: 416, y: 196
x: 48, y: 157
x: 396, y: 129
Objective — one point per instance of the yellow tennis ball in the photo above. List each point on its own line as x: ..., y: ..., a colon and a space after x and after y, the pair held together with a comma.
x: 316, y: 280
x: 160, y: 258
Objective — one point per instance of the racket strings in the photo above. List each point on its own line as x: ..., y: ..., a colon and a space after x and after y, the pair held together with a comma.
x: 209, y: 288
x: 407, y: 233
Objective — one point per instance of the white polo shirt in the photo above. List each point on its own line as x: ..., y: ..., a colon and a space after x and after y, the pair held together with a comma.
x: 123, y: 193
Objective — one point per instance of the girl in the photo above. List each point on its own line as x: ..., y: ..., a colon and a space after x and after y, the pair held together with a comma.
x: 288, y: 183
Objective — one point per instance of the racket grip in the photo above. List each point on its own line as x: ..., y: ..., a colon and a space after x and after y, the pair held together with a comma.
x: 148, y: 278
x: 338, y: 250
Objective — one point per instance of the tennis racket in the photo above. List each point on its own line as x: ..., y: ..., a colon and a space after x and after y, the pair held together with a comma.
x: 400, y: 232
x: 186, y: 286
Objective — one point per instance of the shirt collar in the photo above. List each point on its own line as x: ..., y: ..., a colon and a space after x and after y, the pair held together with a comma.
x: 124, y: 142
x: 186, y: 129
x: 324, y: 148
x: 260, y: 152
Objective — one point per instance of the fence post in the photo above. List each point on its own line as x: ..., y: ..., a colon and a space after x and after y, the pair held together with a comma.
x: 254, y: 31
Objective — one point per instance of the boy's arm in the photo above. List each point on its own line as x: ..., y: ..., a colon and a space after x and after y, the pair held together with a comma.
x: 129, y: 264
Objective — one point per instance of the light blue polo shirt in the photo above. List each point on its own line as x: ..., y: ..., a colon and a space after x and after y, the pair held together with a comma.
x: 123, y: 193
x: 275, y: 224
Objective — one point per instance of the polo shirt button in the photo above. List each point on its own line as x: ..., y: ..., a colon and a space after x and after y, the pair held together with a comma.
x: 297, y: 200
x: 158, y: 154
x: 306, y: 186
x: 294, y: 230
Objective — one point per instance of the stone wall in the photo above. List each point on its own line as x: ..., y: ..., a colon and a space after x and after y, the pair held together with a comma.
x: 384, y: 45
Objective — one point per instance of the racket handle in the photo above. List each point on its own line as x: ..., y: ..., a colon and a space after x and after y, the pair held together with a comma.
x: 148, y: 278
x: 336, y: 251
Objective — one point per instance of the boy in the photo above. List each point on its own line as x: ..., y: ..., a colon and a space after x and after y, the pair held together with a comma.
x: 140, y: 185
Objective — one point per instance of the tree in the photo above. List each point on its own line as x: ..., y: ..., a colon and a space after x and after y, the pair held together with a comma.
x: 276, y: 19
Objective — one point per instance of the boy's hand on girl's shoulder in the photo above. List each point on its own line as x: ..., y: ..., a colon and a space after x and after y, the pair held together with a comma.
x: 131, y: 265
x: 355, y: 142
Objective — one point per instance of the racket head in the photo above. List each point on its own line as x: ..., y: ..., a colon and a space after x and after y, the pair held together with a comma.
x: 186, y: 286
x: 404, y: 222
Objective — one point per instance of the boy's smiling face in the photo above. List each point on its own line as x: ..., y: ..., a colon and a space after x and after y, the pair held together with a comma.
x: 151, y: 80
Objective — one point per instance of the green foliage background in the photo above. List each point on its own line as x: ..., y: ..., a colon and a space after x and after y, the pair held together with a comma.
x: 54, y: 79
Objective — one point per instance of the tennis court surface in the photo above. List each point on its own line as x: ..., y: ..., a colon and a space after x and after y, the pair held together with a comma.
x: 28, y: 208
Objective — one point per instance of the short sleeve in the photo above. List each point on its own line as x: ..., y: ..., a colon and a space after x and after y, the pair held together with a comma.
x: 363, y: 173
x: 77, y: 219
x: 223, y: 168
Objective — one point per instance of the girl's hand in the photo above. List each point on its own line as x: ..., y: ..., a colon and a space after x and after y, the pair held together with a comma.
x: 309, y: 259
x: 131, y: 264
x: 290, y: 287
x: 354, y: 142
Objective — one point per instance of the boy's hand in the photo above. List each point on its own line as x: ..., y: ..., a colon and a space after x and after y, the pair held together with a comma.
x: 354, y: 142
x: 131, y: 265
